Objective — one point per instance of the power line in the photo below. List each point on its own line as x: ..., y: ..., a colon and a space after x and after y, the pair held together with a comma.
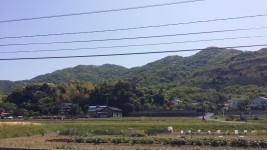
x: 136, y: 45
x: 133, y: 28
x: 101, y: 11
x: 124, y: 54
x: 133, y: 38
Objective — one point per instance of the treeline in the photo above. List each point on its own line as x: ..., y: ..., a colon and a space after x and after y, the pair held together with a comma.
x: 46, y: 98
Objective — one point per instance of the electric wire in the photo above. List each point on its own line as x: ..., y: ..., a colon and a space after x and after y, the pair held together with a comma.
x: 101, y: 11
x: 125, y: 54
x: 134, y: 45
x: 132, y: 28
x: 134, y: 38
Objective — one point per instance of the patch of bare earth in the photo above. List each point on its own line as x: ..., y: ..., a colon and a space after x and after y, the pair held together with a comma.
x: 19, y: 124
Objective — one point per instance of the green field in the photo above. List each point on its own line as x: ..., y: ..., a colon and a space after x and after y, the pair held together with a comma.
x: 138, y: 124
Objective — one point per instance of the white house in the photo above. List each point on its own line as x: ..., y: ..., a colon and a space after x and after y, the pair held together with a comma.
x: 260, y: 102
x: 175, y: 102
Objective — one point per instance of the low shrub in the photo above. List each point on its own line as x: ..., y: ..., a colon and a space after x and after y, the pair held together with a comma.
x: 254, y: 143
x: 96, y: 140
x: 88, y: 140
x: 79, y: 140
x: 239, y: 143
x: 142, y: 141
x: 198, y: 142
x: 158, y: 140
x: 166, y: 141
x: 120, y: 140
x: 178, y: 141
x: 263, y: 143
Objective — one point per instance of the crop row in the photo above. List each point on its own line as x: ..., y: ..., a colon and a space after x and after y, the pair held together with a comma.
x: 170, y: 141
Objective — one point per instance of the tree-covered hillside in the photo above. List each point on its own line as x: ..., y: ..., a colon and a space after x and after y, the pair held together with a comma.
x: 210, y: 68
x: 214, y: 75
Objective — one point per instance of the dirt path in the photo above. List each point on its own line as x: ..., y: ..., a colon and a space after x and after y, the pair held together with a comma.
x: 209, y: 115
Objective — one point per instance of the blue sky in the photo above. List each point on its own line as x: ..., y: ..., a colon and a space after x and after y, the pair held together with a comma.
x: 209, y: 9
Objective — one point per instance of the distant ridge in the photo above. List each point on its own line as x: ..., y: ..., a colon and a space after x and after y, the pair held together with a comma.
x: 210, y: 68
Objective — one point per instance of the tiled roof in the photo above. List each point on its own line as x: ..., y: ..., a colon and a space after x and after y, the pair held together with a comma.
x: 100, y: 108
x: 114, y: 108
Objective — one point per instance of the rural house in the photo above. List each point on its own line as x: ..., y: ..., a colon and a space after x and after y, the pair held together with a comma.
x: 233, y: 103
x: 258, y: 103
x: 66, y: 107
x: 104, y: 111
x: 175, y: 102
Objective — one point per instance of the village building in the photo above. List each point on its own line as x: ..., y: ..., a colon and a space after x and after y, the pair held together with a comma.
x: 258, y: 103
x: 65, y: 107
x: 233, y: 103
x: 104, y: 111
x: 175, y: 102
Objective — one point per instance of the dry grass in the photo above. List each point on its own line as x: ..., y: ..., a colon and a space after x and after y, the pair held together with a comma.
x: 6, y: 124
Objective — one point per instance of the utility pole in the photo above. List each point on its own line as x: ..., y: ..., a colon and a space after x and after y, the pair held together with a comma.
x: 203, y: 110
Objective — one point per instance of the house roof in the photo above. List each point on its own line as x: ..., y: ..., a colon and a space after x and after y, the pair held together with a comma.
x: 100, y: 108
x: 235, y: 99
x: 114, y: 108
x: 92, y: 108
x: 65, y: 104
x: 263, y: 98
x: 177, y: 100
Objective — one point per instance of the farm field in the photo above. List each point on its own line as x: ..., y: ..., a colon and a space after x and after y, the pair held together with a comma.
x: 44, y: 133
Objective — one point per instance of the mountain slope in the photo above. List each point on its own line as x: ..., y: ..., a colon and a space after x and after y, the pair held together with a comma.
x: 84, y: 73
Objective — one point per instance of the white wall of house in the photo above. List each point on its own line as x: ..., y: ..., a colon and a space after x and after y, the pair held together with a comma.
x: 259, y: 101
x: 176, y: 102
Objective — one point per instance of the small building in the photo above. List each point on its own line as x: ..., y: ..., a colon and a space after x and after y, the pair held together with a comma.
x: 66, y: 107
x: 258, y: 103
x: 233, y: 103
x: 175, y: 102
x: 104, y: 111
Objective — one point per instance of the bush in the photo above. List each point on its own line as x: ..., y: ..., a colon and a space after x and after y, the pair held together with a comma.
x: 263, y: 143
x: 88, y: 140
x: 142, y: 141
x: 223, y: 142
x: 254, y: 143
x: 158, y: 140
x: 239, y: 142
x: 196, y: 142
x: 167, y: 141
x: 120, y: 140
x: 79, y: 140
x: 178, y: 141
x: 206, y: 141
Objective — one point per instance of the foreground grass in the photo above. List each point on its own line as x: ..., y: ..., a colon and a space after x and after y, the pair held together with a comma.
x: 138, y: 124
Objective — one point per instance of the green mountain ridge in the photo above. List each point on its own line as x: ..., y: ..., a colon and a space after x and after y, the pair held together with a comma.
x: 210, y: 68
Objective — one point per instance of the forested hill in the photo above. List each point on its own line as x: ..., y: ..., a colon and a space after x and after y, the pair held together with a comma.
x: 209, y: 68
x: 84, y: 73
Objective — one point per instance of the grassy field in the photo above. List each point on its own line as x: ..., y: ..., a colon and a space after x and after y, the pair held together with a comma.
x: 111, y: 127
x: 137, y: 124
